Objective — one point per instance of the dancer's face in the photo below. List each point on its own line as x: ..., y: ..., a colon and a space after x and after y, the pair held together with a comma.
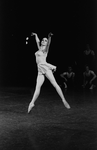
x: 44, y: 41
x: 87, y: 68
x: 69, y: 69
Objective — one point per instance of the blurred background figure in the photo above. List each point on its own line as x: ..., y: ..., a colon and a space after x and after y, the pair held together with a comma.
x: 89, y: 57
x: 89, y: 78
x: 68, y: 78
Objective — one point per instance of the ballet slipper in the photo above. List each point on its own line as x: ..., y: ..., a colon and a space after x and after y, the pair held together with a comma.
x: 66, y: 105
x: 31, y: 105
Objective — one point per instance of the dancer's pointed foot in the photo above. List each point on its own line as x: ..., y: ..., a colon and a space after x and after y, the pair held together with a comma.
x: 31, y: 105
x: 67, y: 105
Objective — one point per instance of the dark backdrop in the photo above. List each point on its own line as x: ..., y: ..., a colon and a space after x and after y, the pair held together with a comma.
x: 73, y: 24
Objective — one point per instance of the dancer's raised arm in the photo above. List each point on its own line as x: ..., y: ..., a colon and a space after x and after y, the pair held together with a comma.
x: 48, y: 43
x: 37, y: 39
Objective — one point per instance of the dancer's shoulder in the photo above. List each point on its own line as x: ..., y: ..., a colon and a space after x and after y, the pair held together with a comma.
x: 37, y: 52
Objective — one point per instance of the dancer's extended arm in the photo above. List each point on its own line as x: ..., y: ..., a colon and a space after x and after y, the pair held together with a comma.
x: 94, y: 76
x: 48, y: 43
x: 63, y: 76
x: 37, y: 39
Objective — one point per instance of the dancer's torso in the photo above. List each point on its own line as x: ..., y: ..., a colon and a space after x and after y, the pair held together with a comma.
x: 89, y: 74
x: 70, y: 75
x: 40, y: 57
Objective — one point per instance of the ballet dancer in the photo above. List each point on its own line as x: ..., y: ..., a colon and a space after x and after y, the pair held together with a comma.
x: 45, y: 70
x: 89, y: 78
x: 89, y: 57
x: 68, y: 77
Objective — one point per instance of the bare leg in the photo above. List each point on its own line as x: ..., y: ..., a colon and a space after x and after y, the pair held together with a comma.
x: 40, y: 80
x: 50, y: 76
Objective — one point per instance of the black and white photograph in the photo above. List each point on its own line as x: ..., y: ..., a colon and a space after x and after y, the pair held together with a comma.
x: 48, y: 75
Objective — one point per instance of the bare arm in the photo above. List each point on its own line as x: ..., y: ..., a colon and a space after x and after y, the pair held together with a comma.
x: 73, y: 77
x: 63, y: 75
x: 37, y: 39
x: 94, y: 76
x: 48, y: 43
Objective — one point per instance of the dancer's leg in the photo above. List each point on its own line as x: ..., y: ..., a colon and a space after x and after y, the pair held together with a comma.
x: 50, y: 76
x: 40, y: 80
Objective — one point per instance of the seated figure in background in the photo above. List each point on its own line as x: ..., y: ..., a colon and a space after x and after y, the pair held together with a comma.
x: 88, y: 78
x: 68, y: 78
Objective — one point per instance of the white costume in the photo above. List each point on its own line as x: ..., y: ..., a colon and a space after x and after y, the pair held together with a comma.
x: 42, y: 65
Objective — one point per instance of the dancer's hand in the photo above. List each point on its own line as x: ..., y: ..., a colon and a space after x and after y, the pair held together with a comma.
x: 50, y: 34
x: 36, y: 37
x: 54, y: 69
x: 32, y: 34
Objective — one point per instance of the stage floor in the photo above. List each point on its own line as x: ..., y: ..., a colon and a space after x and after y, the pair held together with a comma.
x: 49, y: 126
